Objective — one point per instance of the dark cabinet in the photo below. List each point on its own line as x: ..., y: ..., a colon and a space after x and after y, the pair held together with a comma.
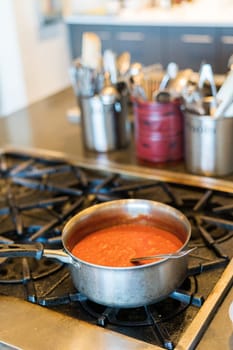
x: 142, y: 43
x: 224, y: 48
x: 75, y: 33
x: 187, y: 46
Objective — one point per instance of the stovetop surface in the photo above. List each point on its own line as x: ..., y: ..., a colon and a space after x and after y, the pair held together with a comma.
x: 39, y: 194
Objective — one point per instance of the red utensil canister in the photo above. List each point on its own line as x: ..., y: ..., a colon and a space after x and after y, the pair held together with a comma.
x: 158, y: 130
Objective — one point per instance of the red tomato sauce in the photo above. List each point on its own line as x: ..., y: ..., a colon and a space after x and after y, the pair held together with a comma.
x: 115, y: 246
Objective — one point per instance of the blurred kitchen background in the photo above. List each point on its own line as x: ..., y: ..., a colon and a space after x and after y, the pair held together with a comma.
x: 40, y: 39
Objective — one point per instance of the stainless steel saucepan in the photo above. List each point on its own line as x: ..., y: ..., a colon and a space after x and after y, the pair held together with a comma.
x: 117, y: 286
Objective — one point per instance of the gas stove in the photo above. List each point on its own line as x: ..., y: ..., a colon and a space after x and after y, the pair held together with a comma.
x: 40, y: 191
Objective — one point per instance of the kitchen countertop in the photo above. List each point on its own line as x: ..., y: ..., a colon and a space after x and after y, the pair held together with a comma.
x: 219, y: 334
x: 196, y: 13
x: 44, y: 126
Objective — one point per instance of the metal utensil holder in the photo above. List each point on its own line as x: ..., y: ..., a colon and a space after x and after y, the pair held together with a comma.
x: 105, y: 124
x: 208, y: 144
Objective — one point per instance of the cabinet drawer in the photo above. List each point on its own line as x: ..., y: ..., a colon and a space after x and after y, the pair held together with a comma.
x: 130, y: 36
x: 189, y: 47
x: 197, y: 39
x: 227, y: 39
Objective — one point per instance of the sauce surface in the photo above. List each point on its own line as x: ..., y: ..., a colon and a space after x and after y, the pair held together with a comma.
x: 115, y: 246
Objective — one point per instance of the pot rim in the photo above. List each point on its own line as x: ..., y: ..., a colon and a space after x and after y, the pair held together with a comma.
x: 76, y: 261
x: 207, y: 117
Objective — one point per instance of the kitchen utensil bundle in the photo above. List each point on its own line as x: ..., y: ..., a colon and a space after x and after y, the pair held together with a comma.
x: 225, y: 97
x: 147, y: 84
x: 144, y: 81
x: 218, y: 104
x: 86, y: 72
x: 91, y: 51
x: 86, y: 81
x: 171, y: 73
x: 206, y: 75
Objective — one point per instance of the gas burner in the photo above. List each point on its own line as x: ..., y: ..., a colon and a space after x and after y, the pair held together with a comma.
x: 18, y: 270
x: 162, y: 311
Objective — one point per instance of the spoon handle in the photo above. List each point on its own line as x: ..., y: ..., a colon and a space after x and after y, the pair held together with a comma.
x: 175, y: 255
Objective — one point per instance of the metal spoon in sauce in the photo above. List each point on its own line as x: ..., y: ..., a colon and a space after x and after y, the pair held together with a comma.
x: 163, y: 256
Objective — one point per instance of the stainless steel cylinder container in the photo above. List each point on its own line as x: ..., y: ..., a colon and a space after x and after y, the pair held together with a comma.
x: 104, y: 121
x: 208, y: 145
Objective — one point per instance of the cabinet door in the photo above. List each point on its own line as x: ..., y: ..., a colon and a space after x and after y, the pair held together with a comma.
x: 75, y: 40
x: 142, y: 42
x: 189, y: 47
x: 75, y: 32
x: 225, y: 48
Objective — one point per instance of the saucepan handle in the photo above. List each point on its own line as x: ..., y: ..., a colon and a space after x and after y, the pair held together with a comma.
x: 34, y: 250
x: 14, y: 250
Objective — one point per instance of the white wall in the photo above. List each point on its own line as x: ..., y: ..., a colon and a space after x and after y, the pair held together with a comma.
x: 32, y: 66
x: 12, y: 84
